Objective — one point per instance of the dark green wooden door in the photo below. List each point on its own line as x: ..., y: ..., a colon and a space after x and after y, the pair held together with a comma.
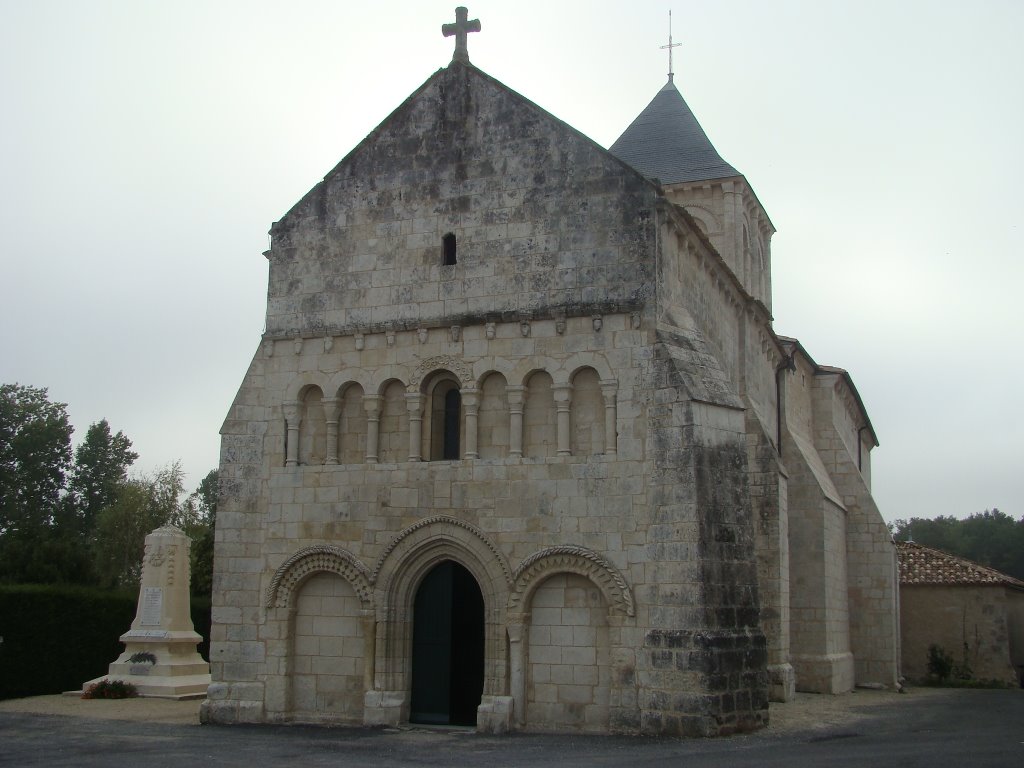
x: 447, y: 647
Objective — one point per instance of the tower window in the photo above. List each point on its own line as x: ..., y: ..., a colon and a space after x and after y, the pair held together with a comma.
x: 448, y: 243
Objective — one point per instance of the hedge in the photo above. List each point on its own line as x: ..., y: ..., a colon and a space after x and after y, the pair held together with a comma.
x: 57, y: 637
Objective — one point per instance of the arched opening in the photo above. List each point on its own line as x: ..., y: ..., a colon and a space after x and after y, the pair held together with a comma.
x: 444, y: 424
x: 493, y: 420
x: 313, y: 427
x: 393, y: 439
x: 447, y: 647
x: 569, y: 656
x: 540, y: 422
x: 327, y: 651
x: 352, y: 426
x: 587, y: 414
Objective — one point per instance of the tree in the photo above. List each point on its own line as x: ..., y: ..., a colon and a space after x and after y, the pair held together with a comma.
x: 101, y: 468
x: 142, y: 504
x: 35, y: 454
x: 202, y: 514
x: 990, y: 538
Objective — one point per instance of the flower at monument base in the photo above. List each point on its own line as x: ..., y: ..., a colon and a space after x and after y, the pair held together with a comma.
x: 110, y: 689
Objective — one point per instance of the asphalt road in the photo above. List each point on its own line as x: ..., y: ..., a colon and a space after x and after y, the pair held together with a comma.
x: 965, y: 728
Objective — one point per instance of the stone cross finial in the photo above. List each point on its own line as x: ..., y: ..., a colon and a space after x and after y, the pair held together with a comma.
x: 460, y: 29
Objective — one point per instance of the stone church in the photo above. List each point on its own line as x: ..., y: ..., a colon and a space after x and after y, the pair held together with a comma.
x: 521, y: 449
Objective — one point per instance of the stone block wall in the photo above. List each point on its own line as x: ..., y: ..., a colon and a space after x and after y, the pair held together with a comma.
x: 327, y: 675
x: 968, y: 622
x: 568, y: 656
x: 543, y: 219
x: 870, y: 553
x: 588, y: 498
x: 602, y: 450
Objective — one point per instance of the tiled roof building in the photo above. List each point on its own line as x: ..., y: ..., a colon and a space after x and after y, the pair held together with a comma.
x: 972, y: 612
x: 923, y: 565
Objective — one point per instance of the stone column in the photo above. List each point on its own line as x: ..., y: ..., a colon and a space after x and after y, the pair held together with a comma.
x: 414, y: 402
x: 610, y: 389
x: 371, y: 404
x: 517, y: 665
x: 471, y: 402
x: 516, y: 395
x: 292, y: 418
x: 563, y: 399
x: 332, y: 410
x: 368, y: 623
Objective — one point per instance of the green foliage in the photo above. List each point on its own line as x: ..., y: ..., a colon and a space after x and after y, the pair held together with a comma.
x: 85, y: 522
x: 101, y: 467
x: 57, y: 637
x: 143, y: 504
x: 940, y: 663
x: 202, y: 516
x: 35, y: 454
x: 110, y: 689
x: 990, y: 538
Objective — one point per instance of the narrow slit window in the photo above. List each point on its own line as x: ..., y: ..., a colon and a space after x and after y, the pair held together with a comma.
x: 448, y: 243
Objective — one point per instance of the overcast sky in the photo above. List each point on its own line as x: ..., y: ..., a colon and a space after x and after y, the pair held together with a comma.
x: 146, y: 147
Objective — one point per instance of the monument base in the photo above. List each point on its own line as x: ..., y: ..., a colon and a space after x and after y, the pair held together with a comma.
x: 178, y: 671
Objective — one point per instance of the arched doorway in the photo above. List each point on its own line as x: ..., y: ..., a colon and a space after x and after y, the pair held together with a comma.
x: 447, y: 647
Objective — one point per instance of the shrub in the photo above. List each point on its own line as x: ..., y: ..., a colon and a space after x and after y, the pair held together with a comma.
x: 110, y: 689
x: 940, y: 663
x: 56, y: 637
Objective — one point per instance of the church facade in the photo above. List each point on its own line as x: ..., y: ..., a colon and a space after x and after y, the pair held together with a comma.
x: 520, y: 448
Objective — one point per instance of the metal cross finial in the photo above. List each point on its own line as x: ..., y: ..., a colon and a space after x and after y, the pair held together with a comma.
x: 670, y: 46
x: 460, y: 29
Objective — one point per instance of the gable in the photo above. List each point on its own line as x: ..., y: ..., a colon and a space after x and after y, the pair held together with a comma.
x: 545, y: 221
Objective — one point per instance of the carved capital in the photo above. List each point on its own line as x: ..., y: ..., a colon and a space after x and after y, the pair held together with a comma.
x: 414, y: 402
x: 292, y: 413
x: 332, y: 408
x: 516, y: 395
x: 371, y: 404
x: 470, y: 397
x: 563, y: 394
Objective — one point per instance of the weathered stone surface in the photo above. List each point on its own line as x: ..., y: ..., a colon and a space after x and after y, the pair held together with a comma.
x: 597, y: 444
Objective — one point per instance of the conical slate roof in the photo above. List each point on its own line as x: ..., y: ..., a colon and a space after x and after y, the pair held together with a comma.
x: 667, y: 143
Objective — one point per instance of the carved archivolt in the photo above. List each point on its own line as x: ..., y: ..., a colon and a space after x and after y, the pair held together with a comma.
x: 317, y: 559
x: 446, y: 362
x: 569, y: 559
x: 441, y: 522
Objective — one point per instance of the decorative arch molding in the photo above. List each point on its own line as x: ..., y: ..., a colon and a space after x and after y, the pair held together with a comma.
x: 704, y: 216
x: 582, y: 360
x: 532, y: 572
x: 441, y: 527
x: 526, y: 368
x: 460, y: 368
x: 319, y: 558
x: 344, y: 379
x: 303, y: 381
x: 384, y: 375
x: 397, y: 576
x: 485, y: 366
